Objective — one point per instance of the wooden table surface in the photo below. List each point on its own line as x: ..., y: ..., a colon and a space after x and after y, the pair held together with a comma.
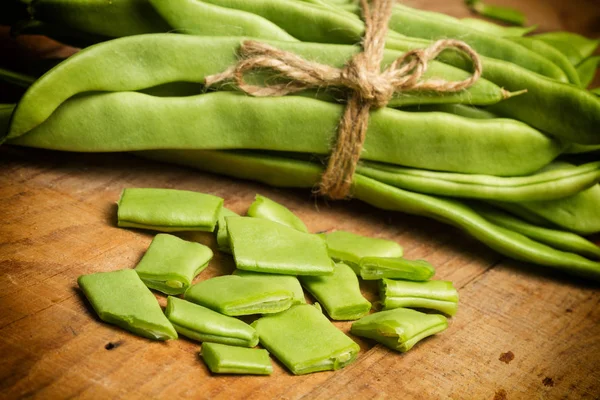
x: 522, y: 332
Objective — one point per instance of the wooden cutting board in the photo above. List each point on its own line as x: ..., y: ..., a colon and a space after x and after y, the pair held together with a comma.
x: 522, y: 331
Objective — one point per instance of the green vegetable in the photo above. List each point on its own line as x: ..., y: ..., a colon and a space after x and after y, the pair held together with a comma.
x: 578, y: 213
x: 170, y: 264
x: 435, y: 295
x: 235, y: 295
x: 222, y: 233
x: 555, y: 181
x: 562, y: 240
x: 435, y: 141
x: 288, y: 281
x: 122, y: 299
x: 372, y: 268
x: 304, y: 340
x: 261, y: 245
x: 265, y: 208
x: 551, y: 53
x: 16, y: 78
x: 108, y: 18
x: 350, y: 248
x: 576, y: 47
x: 338, y: 293
x: 183, y: 16
x: 399, y: 329
x: 587, y: 70
x: 205, y: 325
x: 6, y: 111
x: 224, y: 359
x: 168, y: 210
x: 498, y: 30
x: 505, y: 14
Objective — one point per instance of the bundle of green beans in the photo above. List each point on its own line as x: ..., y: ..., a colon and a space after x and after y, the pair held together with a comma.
x: 490, y: 159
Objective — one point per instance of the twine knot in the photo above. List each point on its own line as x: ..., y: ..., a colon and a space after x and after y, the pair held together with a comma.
x: 368, y: 86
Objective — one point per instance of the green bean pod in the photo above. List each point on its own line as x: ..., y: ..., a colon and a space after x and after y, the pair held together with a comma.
x: 412, y: 22
x: 587, y: 70
x: 546, y: 184
x: 457, y: 109
x: 184, y: 17
x: 558, y: 239
x: 579, y: 213
x: 229, y: 120
x: 551, y: 53
x: 564, y: 111
x: 147, y: 61
x: 497, y: 30
x: 506, y: 14
x: 284, y: 172
x: 574, y: 46
x: 101, y: 17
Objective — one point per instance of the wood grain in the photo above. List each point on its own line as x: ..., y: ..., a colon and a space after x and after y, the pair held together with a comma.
x: 522, y: 332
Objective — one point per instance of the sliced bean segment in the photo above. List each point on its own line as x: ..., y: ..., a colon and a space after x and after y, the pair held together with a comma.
x: 435, y: 141
x: 170, y: 263
x: 222, y: 233
x: 372, y: 268
x: 224, y: 359
x: 399, y: 329
x: 205, y: 325
x: 265, y: 208
x: 290, y: 282
x: 304, y: 340
x: 168, y: 210
x: 339, y: 293
x: 261, y: 245
x: 233, y: 295
x: 435, y: 295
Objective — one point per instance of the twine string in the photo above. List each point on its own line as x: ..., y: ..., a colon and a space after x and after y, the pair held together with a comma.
x: 369, y: 88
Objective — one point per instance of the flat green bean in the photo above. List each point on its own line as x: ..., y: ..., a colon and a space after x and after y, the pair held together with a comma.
x: 498, y: 30
x: 506, y: 14
x: 578, y: 213
x: 437, y: 141
x: 261, y: 245
x: 148, y: 61
x: 587, y: 70
x: 222, y: 233
x: 551, y: 53
x: 554, y: 182
x: 288, y: 281
x: 561, y: 240
x: 108, y: 18
x: 184, y: 17
x: 284, y: 172
x: 576, y: 47
x: 415, y: 23
x: 562, y: 110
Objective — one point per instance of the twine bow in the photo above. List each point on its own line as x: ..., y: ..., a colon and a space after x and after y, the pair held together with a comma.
x: 369, y: 88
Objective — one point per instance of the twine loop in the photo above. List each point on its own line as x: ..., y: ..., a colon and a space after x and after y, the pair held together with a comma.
x: 368, y: 87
